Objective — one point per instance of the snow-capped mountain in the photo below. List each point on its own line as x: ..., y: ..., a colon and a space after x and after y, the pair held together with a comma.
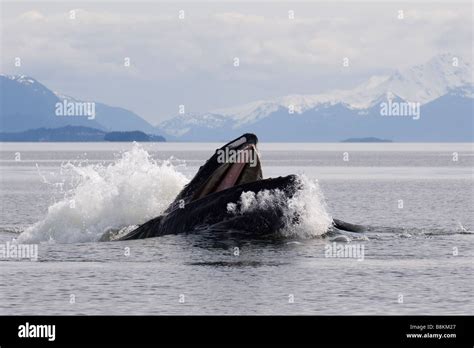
x: 28, y: 104
x: 444, y: 75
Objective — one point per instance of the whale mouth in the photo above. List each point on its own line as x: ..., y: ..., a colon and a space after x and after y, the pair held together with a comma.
x: 238, y: 166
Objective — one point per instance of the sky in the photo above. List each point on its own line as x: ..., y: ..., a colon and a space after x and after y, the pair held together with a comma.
x: 191, y: 61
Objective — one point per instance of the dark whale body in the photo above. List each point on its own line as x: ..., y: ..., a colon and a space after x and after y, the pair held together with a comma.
x: 203, y: 202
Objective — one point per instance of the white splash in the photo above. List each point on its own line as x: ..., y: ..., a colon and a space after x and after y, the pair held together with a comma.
x: 130, y: 191
x: 308, y: 204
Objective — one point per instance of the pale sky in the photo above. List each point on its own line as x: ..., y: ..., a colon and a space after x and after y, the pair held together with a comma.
x: 190, y: 61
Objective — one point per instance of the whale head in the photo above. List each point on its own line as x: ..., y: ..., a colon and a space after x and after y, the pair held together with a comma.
x: 235, y: 163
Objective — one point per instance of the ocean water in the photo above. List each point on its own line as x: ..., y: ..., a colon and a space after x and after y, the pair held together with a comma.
x: 416, y: 256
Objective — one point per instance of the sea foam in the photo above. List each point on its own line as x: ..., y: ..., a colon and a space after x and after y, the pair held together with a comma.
x: 307, y: 204
x: 129, y: 191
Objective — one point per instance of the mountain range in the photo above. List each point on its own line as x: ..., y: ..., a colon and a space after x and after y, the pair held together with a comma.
x: 28, y: 104
x: 441, y: 89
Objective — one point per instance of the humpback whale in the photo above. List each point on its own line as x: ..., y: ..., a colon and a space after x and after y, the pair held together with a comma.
x: 233, y: 169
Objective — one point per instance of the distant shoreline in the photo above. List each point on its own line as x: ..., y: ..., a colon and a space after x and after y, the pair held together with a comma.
x: 367, y: 140
x: 78, y: 134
